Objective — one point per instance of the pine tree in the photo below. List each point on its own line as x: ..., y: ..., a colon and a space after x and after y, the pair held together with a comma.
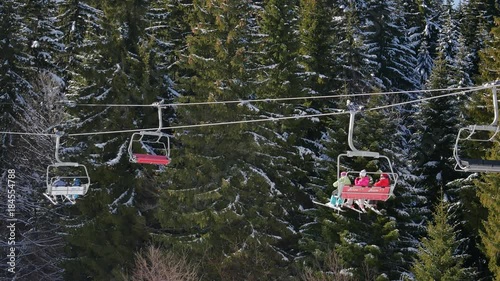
x: 427, y: 24
x: 291, y: 148
x: 166, y: 31
x: 476, y: 19
x: 352, y: 53
x: 318, y: 70
x: 489, y: 236
x: 449, y: 34
x: 386, y: 35
x: 489, y: 65
x: 439, y: 119
x: 9, y: 66
x: 430, y: 11
x: 434, y: 132
x: 30, y: 91
x: 111, y: 66
x: 279, y: 48
x: 487, y: 191
x: 219, y: 203
x: 367, y: 248
x: 464, y: 63
x: 469, y: 217
x: 38, y: 247
x: 437, y: 136
x: 315, y: 51
x: 438, y: 258
x: 424, y: 61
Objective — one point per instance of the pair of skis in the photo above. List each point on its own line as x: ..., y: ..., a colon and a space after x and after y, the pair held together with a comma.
x: 338, y: 208
x: 330, y: 205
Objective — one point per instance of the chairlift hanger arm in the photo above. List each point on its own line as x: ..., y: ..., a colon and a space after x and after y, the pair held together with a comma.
x: 495, y: 105
x: 160, y: 118
x: 58, y: 143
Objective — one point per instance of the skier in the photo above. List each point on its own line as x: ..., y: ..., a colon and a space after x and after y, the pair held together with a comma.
x: 339, y: 184
x: 383, y: 181
x: 363, y: 179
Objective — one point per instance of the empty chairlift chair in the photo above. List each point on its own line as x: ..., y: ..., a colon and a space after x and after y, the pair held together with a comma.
x: 150, y: 147
x: 155, y: 151
x: 473, y: 142
x: 464, y: 149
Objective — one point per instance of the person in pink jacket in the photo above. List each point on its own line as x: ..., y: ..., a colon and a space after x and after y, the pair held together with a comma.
x: 363, y: 179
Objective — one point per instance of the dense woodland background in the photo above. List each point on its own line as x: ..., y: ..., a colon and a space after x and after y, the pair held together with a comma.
x: 236, y: 202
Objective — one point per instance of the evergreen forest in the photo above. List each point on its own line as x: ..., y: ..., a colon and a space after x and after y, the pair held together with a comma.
x: 254, y: 97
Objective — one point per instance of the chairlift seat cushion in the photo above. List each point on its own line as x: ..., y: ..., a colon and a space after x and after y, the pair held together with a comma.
x: 481, y: 162
x: 67, y: 190
x: 369, y: 193
x: 152, y: 159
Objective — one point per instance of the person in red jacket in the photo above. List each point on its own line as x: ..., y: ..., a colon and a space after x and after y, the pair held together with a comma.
x: 383, y: 181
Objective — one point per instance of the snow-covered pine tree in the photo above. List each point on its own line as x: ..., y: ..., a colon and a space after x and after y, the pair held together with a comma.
x: 319, y: 37
x: 489, y: 234
x: 315, y: 48
x: 9, y: 68
x: 463, y: 61
x: 298, y: 68
x: 371, y: 134
x: 367, y: 248
x: 457, y: 58
x: 439, y: 257
x: 434, y: 131
x: 424, y: 61
x: 30, y: 92
x: 219, y: 203
x: 318, y: 70
x: 488, y: 186
x: 489, y: 65
x: 468, y: 216
x: 440, y: 119
x: 112, y: 66
x: 38, y: 248
x: 475, y: 21
x: 430, y: 11
x: 352, y: 55
x: 463, y: 191
x: 166, y: 28
x: 390, y: 45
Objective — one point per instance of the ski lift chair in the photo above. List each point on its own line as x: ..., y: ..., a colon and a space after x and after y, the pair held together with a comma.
x: 368, y: 193
x: 152, y: 147
x: 375, y: 193
x: 65, y: 180
x: 153, y: 150
x: 477, y: 134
